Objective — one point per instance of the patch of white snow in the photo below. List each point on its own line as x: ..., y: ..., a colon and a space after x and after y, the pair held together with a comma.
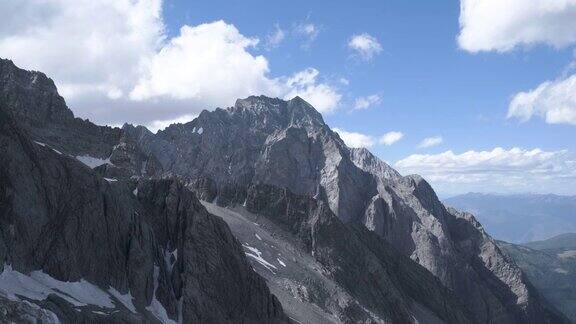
x: 91, y: 161
x: 39, y: 285
x: 125, y: 299
x: 257, y: 255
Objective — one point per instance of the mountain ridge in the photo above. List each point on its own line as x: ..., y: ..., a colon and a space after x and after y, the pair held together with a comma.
x: 286, y: 145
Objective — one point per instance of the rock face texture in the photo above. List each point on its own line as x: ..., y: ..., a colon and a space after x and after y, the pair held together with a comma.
x: 286, y: 144
x: 388, y: 249
x: 82, y: 248
x: 374, y: 283
x: 551, y: 266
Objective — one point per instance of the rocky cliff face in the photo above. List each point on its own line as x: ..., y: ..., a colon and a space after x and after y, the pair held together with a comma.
x: 286, y: 144
x: 78, y: 247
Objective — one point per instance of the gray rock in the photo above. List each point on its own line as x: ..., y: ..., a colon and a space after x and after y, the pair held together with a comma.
x: 287, y: 145
x: 60, y: 217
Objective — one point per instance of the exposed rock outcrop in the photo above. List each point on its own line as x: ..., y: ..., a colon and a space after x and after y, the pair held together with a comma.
x: 153, y: 247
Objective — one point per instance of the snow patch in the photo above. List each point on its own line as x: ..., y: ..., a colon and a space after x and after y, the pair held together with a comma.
x: 257, y: 255
x: 258, y: 237
x: 55, y: 150
x: 155, y: 307
x: 200, y: 130
x: 110, y: 179
x: 39, y: 285
x: 40, y: 143
x: 281, y: 263
x: 125, y: 299
x: 135, y: 192
x: 91, y: 161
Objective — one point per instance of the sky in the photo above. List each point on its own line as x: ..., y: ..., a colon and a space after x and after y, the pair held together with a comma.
x: 475, y: 95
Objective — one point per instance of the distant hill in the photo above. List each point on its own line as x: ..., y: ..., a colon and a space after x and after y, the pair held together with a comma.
x: 520, y: 218
x: 551, y: 267
x: 563, y: 241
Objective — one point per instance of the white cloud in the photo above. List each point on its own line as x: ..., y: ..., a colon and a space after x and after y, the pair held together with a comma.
x: 366, y: 102
x: 390, y: 138
x: 308, y: 31
x: 274, y: 39
x: 129, y: 69
x: 322, y: 96
x: 502, y: 25
x: 365, y: 46
x: 352, y: 139
x: 498, y: 170
x: 431, y: 141
x: 208, y: 62
x: 555, y: 101
x: 86, y: 46
x: 161, y: 124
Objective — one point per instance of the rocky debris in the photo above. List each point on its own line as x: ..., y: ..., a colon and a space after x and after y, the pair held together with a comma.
x: 59, y: 217
x: 346, y: 271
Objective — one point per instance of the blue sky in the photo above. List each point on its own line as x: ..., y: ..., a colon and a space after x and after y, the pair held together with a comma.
x: 425, y: 81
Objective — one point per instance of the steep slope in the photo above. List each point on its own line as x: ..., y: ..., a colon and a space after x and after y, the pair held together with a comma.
x: 76, y: 247
x: 349, y: 273
x: 520, y: 218
x: 551, y: 266
x: 32, y: 99
x: 286, y: 144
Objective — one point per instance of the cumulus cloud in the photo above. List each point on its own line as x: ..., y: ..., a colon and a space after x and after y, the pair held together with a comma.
x: 322, y: 96
x: 555, y: 101
x: 390, y: 138
x: 210, y: 61
x: 129, y: 69
x: 366, y: 102
x: 352, y: 139
x: 498, y: 170
x: 496, y: 25
x: 157, y: 125
x: 365, y: 46
x: 68, y: 40
x: 430, y: 141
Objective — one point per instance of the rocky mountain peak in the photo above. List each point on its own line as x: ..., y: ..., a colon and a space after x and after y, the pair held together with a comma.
x: 276, y: 112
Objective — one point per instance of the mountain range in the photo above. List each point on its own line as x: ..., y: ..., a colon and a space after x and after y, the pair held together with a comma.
x: 520, y: 218
x: 256, y: 213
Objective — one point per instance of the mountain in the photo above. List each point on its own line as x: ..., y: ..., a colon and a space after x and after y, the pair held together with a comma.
x: 286, y: 144
x: 520, y: 218
x: 562, y: 241
x: 77, y: 247
x: 337, y: 234
x: 551, y: 266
